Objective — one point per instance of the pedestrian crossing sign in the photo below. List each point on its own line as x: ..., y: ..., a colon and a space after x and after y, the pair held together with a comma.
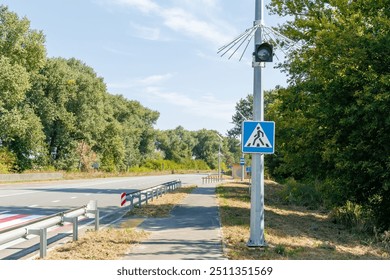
x: 258, y: 137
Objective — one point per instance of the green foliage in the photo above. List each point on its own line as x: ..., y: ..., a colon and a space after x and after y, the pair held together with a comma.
x: 308, y: 195
x: 22, y: 45
x: 354, y: 216
x: 176, y: 144
x: 332, y: 120
x: 22, y: 53
x: 207, y: 147
x: 244, y: 111
x: 162, y: 165
x: 7, y: 161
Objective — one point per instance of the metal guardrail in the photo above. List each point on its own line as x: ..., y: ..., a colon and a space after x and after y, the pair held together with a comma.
x: 40, y: 226
x: 211, y: 179
x: 136, y: 198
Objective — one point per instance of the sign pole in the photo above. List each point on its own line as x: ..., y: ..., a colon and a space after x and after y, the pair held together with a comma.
x: 256, y: 238
x: 243, y: 168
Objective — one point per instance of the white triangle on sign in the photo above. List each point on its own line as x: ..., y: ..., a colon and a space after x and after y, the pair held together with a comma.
x: 258, y: 139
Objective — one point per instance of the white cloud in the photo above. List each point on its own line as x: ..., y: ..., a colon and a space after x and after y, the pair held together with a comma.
x: 147, y: 33
x: 155, y: 79
x: 145, y: 6
x: 202, y: 106
x: 141, y: 83
x: 180, y: 19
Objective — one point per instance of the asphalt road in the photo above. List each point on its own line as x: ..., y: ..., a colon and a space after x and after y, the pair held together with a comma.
x: 22, y: 202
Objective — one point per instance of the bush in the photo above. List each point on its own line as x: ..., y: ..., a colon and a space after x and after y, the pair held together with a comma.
x: 353, y: 216
x: 188, y: 164
x: 301, y: 194
x: 7, y: 161
x: 384, y: 239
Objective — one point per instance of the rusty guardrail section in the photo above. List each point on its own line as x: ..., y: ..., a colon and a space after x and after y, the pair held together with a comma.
x: 40, y: 226
x: 136, y: 198
x: 211, y: 179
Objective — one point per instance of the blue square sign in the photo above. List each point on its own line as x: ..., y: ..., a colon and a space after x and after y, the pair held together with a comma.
x: 258, y: 137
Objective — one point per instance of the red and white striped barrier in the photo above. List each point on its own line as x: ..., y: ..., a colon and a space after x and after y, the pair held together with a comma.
x: 123, y: 199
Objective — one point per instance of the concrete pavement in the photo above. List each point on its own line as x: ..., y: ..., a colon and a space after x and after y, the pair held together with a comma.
x: 192, y: 232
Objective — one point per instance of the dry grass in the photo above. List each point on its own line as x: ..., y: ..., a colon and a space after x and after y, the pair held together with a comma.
x: 105, y: 244
x: 291, y: 232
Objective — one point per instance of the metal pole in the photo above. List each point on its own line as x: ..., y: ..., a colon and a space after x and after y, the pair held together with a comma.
x: 256, y: 238
x: 242, y: 170
x: 219, y: 157
x: 219, y: 161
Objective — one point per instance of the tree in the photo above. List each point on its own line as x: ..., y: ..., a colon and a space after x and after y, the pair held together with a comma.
x: 22, y: 53
x: 340, y: 77
x: 244, y: 111
x: 51, y: 94
x: 22, y: 45
x: 207, y: 147
x: 176, y: 144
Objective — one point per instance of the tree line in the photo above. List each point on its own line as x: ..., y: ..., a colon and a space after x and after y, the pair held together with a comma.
x: 56, y: 113
x: 332, y: 120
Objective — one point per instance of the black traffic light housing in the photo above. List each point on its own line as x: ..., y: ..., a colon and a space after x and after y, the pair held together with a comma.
x: 263, y: 52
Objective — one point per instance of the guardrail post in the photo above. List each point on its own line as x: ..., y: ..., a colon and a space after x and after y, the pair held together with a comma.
x: 42, y: 232
x: 146, y: 197
x: 131, y: 202
x: 75, y: 223
x: 97, y: 220
x: 93, y: 210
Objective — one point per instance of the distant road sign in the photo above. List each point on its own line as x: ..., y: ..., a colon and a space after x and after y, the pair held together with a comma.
x: 258, y: 137
x: 242, y: 161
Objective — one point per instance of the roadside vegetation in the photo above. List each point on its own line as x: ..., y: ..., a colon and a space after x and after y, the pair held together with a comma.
x: 294, y: 231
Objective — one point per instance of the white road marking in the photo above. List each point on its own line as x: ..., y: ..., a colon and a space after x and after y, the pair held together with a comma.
x: 15, y: 194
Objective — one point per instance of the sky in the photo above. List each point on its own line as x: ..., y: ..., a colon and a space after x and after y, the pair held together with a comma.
x: 160, y: 53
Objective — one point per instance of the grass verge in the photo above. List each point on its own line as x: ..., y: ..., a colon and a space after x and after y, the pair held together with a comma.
x: 105, y: 244
x: 291, y: 232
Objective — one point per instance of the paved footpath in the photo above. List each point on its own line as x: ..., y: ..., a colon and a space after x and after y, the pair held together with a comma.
x: 192, y: 232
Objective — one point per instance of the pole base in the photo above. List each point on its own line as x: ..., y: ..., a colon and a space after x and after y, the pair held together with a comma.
x: 258, y: 244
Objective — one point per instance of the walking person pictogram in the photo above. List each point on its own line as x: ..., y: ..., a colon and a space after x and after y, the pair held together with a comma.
x: 259, y: 135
